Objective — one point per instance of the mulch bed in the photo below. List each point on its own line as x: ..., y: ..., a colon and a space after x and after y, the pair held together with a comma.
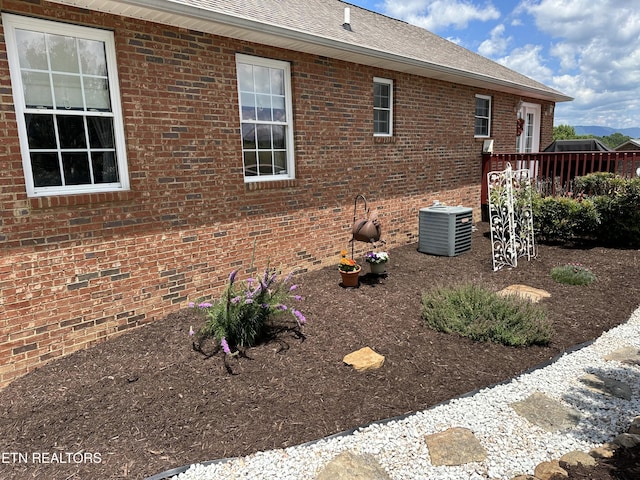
x: 146, y: 402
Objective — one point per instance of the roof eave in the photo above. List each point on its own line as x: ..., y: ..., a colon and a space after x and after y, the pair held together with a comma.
x: 223, y: 24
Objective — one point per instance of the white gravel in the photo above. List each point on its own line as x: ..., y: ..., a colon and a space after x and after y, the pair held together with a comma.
x: 514, y: 446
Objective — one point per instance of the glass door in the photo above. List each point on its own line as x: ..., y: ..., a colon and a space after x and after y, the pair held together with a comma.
x: 529, y: 120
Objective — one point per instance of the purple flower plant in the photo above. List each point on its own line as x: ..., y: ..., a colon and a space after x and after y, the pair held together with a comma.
x: 301, y: 319
x: 225, y: 346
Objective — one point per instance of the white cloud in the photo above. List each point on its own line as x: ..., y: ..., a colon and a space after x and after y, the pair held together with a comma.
x: 598, y: 52
x: 529, y: 61
x: 495, y: 45
x: 437, y: 14
x: 566, y: 54
x: 456, y: 40
x: 583, y: 21
x: 587, y: 49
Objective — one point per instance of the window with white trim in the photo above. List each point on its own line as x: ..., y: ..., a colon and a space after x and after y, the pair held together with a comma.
x: 67, y: 104
x: 264, y: 89
x: 483, y: 116
x: 382, y: 107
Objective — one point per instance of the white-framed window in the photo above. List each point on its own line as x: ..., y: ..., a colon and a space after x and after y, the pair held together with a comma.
x: 266, y: 119
x: 482, y: 116
x: 67, y: 102
x: 382, y: 107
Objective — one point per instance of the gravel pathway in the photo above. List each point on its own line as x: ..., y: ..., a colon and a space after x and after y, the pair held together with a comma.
x: 513, y: 445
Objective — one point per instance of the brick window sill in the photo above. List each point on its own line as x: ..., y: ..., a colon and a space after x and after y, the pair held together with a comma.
x: 80, y: 199
x: 384, y: 140
x: 275, y: 185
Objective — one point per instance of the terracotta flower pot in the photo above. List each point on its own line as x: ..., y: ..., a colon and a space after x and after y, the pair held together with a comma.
x: 351, y: 279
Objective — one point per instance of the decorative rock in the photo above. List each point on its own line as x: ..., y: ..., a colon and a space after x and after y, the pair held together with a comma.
x: 364, y: 359
x: 634, y: 428
x: 454, y: 446
x: 547, y: 470
x: 525, y: 477
x: 606, y: 386
x: 629, y: 355
x: 605, y: 451
x: 627, y: 440
x: 546, y: 413
x: 534, y: 295
x: 576, y: 458
x: 349, y: 466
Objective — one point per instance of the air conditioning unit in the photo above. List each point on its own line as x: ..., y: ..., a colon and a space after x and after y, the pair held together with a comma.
x: 445, y: 230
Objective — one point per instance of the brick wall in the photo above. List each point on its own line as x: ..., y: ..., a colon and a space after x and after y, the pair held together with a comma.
x: 77, y: 269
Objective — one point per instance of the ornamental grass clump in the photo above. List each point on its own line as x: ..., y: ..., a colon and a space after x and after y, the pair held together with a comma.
x: 244, y: 314
x: 573, y: 274
x: 483, y: 315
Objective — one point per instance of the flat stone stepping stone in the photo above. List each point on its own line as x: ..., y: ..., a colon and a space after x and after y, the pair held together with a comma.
x: 576, y: 458
x: 364, y: 359
x: 534, y: 295
x: 547, y: 413
x: 606, y: 386
x: 455, y: 446
x: 550, y: 470
x: 629, y: 355
x: 349, y: 466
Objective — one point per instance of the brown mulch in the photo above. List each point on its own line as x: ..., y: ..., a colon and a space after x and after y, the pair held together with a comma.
x: 146, y: 402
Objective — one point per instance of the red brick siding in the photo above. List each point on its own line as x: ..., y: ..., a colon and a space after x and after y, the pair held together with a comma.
x: 77, y: 269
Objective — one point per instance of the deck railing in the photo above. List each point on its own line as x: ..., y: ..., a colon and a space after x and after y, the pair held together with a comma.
x: 555, y: 170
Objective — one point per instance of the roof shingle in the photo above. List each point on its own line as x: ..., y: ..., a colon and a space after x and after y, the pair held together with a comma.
x: 316, y: 26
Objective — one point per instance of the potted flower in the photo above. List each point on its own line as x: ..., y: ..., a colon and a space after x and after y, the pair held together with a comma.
x: 377, y: 261
x: 349, y: 270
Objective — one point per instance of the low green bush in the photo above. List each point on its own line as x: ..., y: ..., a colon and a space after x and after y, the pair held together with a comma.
x: 483, y: 315
x: 598, y: 183
x: 603, y: 206
x: 573, y: 274
x: 620, y: 214
x: 559, y: 219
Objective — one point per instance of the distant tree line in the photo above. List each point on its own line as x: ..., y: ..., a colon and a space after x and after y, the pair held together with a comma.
x: 566, y: 132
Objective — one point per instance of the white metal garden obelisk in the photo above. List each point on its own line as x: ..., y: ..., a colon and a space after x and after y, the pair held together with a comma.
x: 510, y: 216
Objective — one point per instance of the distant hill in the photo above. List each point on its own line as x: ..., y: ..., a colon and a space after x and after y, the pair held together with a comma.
x: 606, y: 131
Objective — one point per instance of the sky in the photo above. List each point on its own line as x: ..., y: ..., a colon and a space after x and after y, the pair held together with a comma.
x: 587, y: 49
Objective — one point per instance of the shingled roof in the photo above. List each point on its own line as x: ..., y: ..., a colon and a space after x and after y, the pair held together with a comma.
x: 318, y: 27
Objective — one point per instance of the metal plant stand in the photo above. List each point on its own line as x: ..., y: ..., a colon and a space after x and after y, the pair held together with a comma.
x: 366, y: 228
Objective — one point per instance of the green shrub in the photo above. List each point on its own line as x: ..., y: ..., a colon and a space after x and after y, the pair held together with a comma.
x: 602, y: 206
x: 573, y: 274
x: 598, y: 183
x: 620, y: 215
x: 559, y: 219
x: 482, y: 315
